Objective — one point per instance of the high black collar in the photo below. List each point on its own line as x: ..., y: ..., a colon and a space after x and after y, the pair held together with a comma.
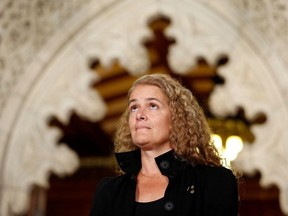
x: 130, y: 162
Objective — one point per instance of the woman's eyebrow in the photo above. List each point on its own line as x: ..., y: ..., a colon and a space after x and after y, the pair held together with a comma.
x: 147, y: 99
x: 150, y: 99
x: 131, y: 101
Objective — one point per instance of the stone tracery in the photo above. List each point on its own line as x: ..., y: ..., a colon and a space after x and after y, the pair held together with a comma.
x: 255, y: 44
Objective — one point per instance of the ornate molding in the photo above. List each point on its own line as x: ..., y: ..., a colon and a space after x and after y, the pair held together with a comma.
x: 256, y: 79
x: 52, y: 54
x: 55, y: 79
x: 25, y: 27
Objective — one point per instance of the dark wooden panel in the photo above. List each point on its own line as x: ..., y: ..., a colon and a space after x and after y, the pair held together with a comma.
x: 73, y: 195
x: 256, y: 200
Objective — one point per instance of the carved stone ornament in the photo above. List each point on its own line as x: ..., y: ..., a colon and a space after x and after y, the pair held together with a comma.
x: 44, y: 71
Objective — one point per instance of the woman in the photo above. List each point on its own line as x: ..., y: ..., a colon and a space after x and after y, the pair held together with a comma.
x: 169, y: 165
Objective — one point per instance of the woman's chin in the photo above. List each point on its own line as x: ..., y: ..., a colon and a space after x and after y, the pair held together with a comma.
x: 144, y: 146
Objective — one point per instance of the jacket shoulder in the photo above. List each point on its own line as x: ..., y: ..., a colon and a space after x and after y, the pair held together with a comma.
x: 215, y: 173
x: 217, y: 181
x: 105, y: 191
x: 108, y: 183
x: 219, y: 186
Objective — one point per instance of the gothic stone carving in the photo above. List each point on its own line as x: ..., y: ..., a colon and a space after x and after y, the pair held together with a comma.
x: 52, y: 64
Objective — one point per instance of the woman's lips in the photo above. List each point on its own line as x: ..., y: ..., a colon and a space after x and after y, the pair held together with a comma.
x: 142, y: 127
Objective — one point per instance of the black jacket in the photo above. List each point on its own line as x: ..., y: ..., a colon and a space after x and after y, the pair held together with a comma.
x: 192, y: 190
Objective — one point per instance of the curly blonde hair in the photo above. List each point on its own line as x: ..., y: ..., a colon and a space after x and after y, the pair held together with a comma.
x: 190, y: 135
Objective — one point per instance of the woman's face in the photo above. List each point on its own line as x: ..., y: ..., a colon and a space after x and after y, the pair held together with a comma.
x: 150, y: 118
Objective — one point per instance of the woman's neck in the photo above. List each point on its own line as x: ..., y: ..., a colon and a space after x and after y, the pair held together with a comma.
x: 149, y: 165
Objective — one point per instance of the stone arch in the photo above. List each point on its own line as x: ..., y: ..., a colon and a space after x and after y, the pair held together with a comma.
x: 55, y: 78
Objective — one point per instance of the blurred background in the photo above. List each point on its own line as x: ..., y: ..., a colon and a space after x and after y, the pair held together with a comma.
x: 66, y: 67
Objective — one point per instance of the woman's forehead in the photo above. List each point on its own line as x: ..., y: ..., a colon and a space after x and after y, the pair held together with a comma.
x: 146, y: 90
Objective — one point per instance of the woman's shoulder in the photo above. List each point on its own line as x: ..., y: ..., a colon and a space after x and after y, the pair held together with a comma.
x: 112, y: 180
x: 106, y: 189
x: 217, y: 175
x: 218, y: 185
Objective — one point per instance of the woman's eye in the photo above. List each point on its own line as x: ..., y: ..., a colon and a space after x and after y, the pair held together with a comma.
x: 153, y: 106
x: 133, y: 108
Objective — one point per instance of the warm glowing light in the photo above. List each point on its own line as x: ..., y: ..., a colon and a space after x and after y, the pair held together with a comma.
x: 234, y: 145
x: 217, y: 141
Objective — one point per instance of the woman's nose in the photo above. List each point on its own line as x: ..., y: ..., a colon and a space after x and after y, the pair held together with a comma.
x: 141, y: 116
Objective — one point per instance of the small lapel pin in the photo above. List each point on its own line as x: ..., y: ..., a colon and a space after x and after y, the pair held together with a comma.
x: 190, y: 189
